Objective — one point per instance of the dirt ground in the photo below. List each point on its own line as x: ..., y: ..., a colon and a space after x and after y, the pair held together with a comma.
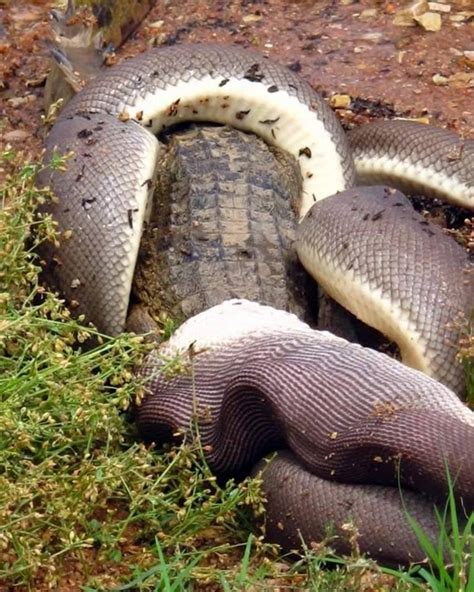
x: 344, y: 47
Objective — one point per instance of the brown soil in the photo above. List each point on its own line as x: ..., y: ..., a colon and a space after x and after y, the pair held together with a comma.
x: 341, y: 47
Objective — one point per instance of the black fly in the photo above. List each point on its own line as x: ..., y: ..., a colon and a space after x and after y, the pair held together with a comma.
x: 242, y: 114
x: 85, y: 133
x: 253, y: 73
x: 130, y: 217
x: 269, y: 121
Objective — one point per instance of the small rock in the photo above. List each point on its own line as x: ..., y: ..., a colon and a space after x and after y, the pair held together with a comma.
x: 403, y: 20
x: 401, y: 56
x: 416, y: 8
x: 340, y: 101
x: 156, y: 24
x: 16, y: 136
x: 438, y: 7
x: 430, y: 21
x: 375, y: 36
x: 368, y: 13
x: 440, y: 80
x: 252, y: 18
x: 460, y: 17
x: 405, y: 17
x: 18, y: 101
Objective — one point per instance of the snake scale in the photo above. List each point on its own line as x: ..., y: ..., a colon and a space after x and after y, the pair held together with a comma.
x: 354, y: 420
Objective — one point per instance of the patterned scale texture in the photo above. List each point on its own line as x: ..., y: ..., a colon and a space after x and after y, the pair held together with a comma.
x: 374, y: 237
x: 431, y: 150
x: 159, y: 69
x: 222, y: 227
x: 98, y: 192
x: 111, y: 175
x: 348, y: 414
x: 375, y: 512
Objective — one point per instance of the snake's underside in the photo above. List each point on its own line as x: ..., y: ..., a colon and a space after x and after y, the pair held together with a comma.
x: 261, y: 379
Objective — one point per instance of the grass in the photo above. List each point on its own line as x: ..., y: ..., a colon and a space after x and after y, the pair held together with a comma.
x: 84, y: 506
x: 466, y: 355
x: 451, y: 565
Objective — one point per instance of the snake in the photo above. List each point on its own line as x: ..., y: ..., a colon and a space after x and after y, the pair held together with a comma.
x: 358, y: 425
x: 355, y: 422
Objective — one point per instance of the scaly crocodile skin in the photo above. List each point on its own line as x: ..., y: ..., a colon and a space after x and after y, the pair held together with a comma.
x: 222, y: 227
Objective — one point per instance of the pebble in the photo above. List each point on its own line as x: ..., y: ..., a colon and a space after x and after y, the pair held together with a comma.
x: 460, y: 17
x: 252, y: 18
x: 440, y: 80
x: 438, y: 7
x: 340, y: 101
x: 430, y: 21
x: 156, y: 24
x: 18, y: 101
x: 375, y: 36
x: 368, y: 13
x: 16, y: 136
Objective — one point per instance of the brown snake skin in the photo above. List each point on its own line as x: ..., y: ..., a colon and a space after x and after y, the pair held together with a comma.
x: 439, y: 163
x: 348, y: 414
x: 386, y: 425
x: 374, y: 234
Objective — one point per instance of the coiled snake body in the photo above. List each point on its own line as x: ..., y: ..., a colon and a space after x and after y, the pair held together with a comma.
x: 346, y: 413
